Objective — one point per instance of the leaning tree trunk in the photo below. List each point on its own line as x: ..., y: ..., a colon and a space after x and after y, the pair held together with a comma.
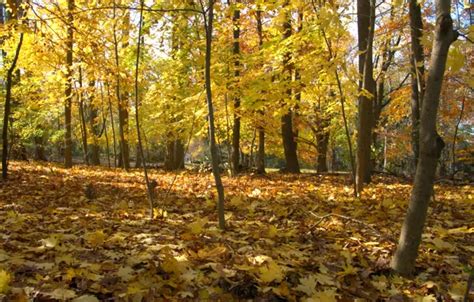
x: 7, y: 109
x: 417, y: 74
x: 431, y: 145
x: 69, y: 85
x: 212, y: 131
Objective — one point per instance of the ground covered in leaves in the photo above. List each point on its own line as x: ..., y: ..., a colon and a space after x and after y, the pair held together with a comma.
x: 85, y: 235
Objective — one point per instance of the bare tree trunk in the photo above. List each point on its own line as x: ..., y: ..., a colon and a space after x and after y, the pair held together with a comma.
x: 453, y: 151
x: 68, y: 90
x: 287, y: 132
x: 365, y: 22
x: 124, y: 160
x: 431, y: 145
x: 113, y: 125
x: 95, y: 127
x: 149, y: 187
x: 236, y: 98
x: 208, y: 21
x: 83, y: 119
x: 7, y: 109
x: 417, y: 74
x: 261, y: 130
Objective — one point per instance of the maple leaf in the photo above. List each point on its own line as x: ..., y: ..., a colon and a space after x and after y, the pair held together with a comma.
x: 86, y: 298
x: 62, y: 294
x: 328, y: 295
x: 197, y: 226
x: 95, y: 238
x: 307, y: 285
x: 270, y: 272
x: 125, y: 273
x: 4, y: 281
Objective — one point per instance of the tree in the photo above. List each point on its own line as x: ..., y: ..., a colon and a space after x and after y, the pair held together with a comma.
x: 235, y: 158
x: 431, y: 144
x: 208, y: 25
x: 287, y: 131
x: 7, y: 108
x: 69, y: 85
x: 365, y: 29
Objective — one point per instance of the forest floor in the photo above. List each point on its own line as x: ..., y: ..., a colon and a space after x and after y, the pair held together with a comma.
x: 288, y: 238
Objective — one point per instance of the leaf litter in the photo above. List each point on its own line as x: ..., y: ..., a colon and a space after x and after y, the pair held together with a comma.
x: 289, y: 238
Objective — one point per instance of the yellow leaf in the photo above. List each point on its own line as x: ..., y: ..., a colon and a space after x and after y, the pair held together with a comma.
x: 5, y: 279
x: 307, y: 285
x: 62, y: 294
x: 86, y: 298
x: 95, y: 238
x: 125, y: 273
x: 197, y: 226
x: 270, y: 272
x: 328, y: 295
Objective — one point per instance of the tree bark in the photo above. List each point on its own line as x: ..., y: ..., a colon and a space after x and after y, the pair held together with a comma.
x: 261, y: 130
x: 287, y: 132
x: 69, y: 84
x: 7, y: 109
x: 417, y: 74
x: 431, y: 145
x: 124, y: 160
x: 83, y: 119
x: 236, y: 98
x: 365, y: 24
x: 212, y: 135
x: 95, y: 127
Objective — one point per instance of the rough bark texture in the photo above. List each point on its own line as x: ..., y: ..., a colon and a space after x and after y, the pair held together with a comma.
x: 431, y: 145
x: 287, y: 132
x: 236, y: 126
x: 69, y: 84
x: 212, y: 130
x: 365, y: 22
x: 417, y: 74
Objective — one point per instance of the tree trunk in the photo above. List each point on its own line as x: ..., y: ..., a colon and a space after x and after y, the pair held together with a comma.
x: 236, y: 98
x: 417, y: 74
x: 95, y: 128
x: 212, y: 135
x: 431, y: 145
x: 287, y: 132
x: 322, y: 148
x: 365, y: 24
x: 122, y: 101
x: 83, y: 119
x: 7, y: 109
x: 69, y: 84
x: 261, y: 131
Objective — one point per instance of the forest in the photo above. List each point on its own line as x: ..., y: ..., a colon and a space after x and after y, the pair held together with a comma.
x: 264, y: 150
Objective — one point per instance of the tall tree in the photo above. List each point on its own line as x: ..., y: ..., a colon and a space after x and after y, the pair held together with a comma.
x: 7, y: 108
x: 261, y: 130
x: 431, y: 144
x: 208, y: 24
x: 69, y: 84
x: 365, y: 29
x: 236, y: 97
x: 287, y: 131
